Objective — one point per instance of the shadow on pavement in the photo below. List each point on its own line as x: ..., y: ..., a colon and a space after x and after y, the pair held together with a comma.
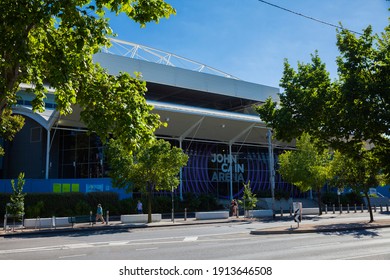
x: 357, y: 230
x: 268, y: 220
x: 69, y: 233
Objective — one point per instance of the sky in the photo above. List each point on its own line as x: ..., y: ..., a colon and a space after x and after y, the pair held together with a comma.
x: 250, y: 39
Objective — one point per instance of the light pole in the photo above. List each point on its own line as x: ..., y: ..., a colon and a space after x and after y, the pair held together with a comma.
x: 271, y: 168
x: 173, y: 207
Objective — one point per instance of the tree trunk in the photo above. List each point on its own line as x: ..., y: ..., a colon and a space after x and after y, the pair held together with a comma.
x: 319, y: 201
x: 150, y: 204
x: 369, y: 206
x: 11, y: 77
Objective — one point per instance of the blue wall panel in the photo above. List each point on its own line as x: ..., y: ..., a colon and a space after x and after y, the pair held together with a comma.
x: 65, y: 185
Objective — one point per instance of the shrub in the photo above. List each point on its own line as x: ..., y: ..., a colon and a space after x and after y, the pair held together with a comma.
x: 280, y: 194
x: 350, y: 198
x: 16, y: 206
x: 208, y: 203
x: 249, y: 200
x: 35, y: 210
x: 190, y: 201
x: 354, y: 198
x: 71, y: 204
x: 160, y: 204
x: 329, y: 198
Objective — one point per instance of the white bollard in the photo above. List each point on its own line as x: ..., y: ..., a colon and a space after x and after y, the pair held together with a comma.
x: 5, y: 222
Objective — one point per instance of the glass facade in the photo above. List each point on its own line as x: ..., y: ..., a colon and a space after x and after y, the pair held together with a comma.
x: 212, y: 168
x: 80, y: 155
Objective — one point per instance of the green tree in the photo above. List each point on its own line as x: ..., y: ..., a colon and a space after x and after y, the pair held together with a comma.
x: 363, y: 103
x: 9, y: 126
x: 115, y: 106
x: 302, y: 104
x: 307, y: 167
x: 347, y: 112
x: 249, y: 199
x: 343, y: 113
x: 16, y: 207
x: 50, y: 43
x: 154, y: 167
x: 360, y: 172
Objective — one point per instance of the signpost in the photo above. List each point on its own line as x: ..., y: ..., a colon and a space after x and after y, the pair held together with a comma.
x: 297, y: 208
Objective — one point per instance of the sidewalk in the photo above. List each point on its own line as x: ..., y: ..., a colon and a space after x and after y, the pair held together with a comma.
x: 325, y: 226
x: 278, y: 225
x: 111, y: 225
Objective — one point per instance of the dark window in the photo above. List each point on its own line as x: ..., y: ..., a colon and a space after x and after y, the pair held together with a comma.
x: 36, y: 134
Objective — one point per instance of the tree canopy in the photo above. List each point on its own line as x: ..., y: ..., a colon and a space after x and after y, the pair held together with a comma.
x: 350, y: 114
x: 115, y: 106
x: 359, y: 172
x: 307, y: 167
x: 302, y: 103
x: 153, y: 167
x: 350, y: 110
x: 50, y: 43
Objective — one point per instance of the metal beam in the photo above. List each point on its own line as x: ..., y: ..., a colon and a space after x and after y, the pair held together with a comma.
x: 234, y: 139
x: 188, y: 131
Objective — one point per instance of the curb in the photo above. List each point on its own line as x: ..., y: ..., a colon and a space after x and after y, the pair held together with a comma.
x: 116, y: 226
x: 323, y: 229
x: 307, y: 228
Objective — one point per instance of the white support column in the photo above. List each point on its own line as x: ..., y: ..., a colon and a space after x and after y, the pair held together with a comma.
x: 231, y: 171
x: 181, y: 138
x: 47, y: 169
x: 181, y: 173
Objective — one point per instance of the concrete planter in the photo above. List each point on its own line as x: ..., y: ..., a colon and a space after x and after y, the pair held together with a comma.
x: 310, y: 211
x: 212, y: 215
x: 46, y: 222
x: 259, y: 213
x: 139, y: 218
x: 266, y: 203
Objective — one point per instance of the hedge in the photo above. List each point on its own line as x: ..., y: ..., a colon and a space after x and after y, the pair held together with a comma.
x: 71, y: 204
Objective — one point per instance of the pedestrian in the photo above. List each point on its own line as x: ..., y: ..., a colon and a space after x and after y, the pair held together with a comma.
x: 232, y: 208
x: 99, y: 213
x: 139, y: 207
x: 236, y: 208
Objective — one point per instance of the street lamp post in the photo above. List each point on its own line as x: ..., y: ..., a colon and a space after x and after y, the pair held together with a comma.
x: 271, y: 168
x: 173, y: 207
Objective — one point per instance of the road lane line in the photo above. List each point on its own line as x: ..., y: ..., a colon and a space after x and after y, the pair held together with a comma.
x: 317, y: 245
x: 135, y: 242
x: 147, y: 249
x: 190, y: 239
x: 72, y: 256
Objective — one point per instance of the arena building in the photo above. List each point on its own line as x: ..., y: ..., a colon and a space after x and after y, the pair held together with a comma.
x: 209, y: 113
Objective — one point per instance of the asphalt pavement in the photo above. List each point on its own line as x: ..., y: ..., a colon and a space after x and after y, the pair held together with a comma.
x: 330, y: 222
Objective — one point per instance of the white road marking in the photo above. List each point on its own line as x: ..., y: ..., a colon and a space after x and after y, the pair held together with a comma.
x: 317, y: 245
x: 190, y: 239
x: 139, y: 242
x: 72, y: 256
x: 146, y: 249
x: 373, y: 256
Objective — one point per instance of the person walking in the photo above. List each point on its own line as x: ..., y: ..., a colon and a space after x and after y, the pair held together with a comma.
x: 139, y: 207
x: 234, y: 208
x: 99, y: 214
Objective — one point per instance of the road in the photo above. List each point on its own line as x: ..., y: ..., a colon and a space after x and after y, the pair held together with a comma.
x: 226, y: 241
